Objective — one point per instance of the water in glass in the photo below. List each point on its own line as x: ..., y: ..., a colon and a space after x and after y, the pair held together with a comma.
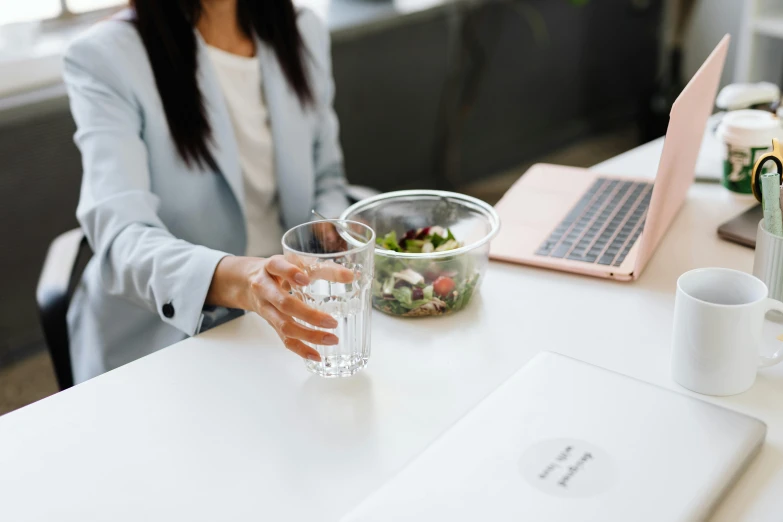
x: 349, y: 304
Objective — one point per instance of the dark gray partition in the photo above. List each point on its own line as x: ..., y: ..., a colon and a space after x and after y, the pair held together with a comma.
x: 532, y: 75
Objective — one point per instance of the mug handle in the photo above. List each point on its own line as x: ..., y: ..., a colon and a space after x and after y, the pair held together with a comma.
x: 770, y: 360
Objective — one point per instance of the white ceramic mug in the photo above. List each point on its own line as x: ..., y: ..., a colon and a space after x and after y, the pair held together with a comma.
x: 718, y: 326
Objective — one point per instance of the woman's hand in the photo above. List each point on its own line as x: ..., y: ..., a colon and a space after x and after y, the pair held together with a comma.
x: 327, y: 235
x: 263, y: 286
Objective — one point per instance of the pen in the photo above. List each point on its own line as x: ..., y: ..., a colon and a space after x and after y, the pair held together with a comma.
x: 770, y: 202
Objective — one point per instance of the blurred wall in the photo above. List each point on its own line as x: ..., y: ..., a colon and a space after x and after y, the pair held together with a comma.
x: 530, y: 77
x: 711, y: 20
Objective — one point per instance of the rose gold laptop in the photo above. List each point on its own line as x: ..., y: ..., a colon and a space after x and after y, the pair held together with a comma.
x: 577, y: 220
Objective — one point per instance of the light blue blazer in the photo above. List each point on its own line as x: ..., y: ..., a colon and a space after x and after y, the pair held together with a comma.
x: 157, y: 227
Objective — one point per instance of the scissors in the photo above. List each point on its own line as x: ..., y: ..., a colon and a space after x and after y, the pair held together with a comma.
x: 775, y: 156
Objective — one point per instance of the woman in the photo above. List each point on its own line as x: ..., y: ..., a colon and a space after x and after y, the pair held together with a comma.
x: 206, y: 128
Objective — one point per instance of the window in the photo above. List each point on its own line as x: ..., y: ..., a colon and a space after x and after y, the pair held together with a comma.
x: 14, y: 11
x: 83, y: 6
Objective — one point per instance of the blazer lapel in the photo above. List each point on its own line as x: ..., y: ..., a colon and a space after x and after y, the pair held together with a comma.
x: 292, y: 135
x: 223, y: 143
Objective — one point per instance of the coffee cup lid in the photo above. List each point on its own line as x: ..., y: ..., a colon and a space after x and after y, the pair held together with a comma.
x: 750, y: 128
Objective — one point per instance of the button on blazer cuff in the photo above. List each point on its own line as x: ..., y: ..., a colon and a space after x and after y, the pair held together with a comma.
x: 184, y: 300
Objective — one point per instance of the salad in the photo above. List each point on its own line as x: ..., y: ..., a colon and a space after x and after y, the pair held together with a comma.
x: 421, y: 287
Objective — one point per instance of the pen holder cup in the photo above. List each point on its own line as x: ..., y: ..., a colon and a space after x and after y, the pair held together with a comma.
x: 768, y: 266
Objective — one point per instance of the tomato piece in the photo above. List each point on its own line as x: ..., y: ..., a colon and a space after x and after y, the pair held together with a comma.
x: 443, y: 286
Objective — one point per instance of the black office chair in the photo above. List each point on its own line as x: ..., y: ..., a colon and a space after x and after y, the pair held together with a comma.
x: 65, y: 261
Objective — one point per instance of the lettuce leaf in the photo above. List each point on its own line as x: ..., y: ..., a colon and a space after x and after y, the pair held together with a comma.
x: 389, y: 242
x: 404, y: 295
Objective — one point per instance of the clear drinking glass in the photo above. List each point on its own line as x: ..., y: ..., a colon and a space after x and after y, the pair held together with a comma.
x: 317, y: 247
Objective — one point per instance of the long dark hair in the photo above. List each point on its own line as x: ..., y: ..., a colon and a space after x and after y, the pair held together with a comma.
x: 167, y: 28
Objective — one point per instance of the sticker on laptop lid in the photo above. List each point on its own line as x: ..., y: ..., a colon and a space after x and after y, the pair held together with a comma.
x: 567, y: 468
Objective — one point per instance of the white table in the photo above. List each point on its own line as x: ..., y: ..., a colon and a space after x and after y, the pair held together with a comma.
x: 230, y: 426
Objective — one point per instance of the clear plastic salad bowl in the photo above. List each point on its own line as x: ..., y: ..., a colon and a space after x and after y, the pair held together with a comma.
x: 416, y: 284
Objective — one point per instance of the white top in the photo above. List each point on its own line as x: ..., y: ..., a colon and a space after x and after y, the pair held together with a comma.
x: 228, y: 425
x: 240, y: 80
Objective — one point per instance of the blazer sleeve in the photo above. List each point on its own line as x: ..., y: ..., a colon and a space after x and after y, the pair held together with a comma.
x: 330, y: 182
x: 138, y: 258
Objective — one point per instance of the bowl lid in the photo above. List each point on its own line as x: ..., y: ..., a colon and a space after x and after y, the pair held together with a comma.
x: 487, y: 209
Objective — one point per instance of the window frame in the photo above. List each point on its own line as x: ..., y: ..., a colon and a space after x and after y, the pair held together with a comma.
x: 68, y: 17
x: 67, y: 14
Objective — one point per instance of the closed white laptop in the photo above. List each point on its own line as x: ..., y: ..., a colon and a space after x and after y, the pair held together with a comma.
x: 563, y: 440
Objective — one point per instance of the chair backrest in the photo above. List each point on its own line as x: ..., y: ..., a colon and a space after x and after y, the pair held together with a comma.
x: 65, y: 261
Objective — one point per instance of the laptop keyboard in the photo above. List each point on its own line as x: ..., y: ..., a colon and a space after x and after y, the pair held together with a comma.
x: 603, y: 226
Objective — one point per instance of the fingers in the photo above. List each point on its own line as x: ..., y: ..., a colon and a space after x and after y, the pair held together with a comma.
x: 291, y: 333
x: 331, y: 271
x: 289, y: 305
x: 290, y: 269
x: 301, y: 349
x: 278, y: 266
x: 280, y: 308
x: 293, y: 330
